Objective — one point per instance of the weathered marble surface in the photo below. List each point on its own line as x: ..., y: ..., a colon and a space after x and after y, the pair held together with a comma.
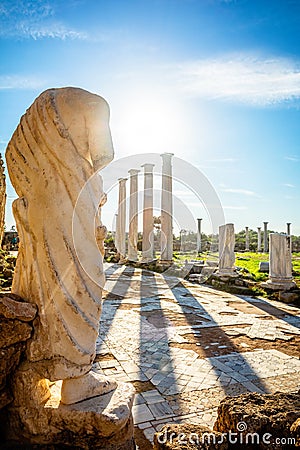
x: 166, y: 209
x: 102, y: 422
x: 280, y: 273
x: 148, y: 237
x: 59, y: 145
x: 133, y: 216
x: 121, y: 220
x: 62, y: 139
x: 266, y: 241
x: 259, y: 239
x: 226, y: 249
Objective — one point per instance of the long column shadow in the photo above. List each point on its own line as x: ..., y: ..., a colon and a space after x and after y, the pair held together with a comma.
x: 117, y: 291
x: 156, y: 360
x: 224, y: 372
x: 274, y: 311
x: 109, y: 268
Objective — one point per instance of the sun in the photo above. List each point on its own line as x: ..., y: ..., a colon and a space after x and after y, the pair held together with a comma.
x: 148, y: 123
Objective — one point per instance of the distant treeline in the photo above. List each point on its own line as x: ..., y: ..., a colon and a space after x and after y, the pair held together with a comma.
x: 187, y: 240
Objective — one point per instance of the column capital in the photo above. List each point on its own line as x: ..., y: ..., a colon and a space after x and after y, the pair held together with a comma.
x: 133, y: 171
x: 122, y: 179
x: 289, y: 223
x: 259, y: 228
x: 266, y: 223
x: 165, y: 156
x: 148, y: 166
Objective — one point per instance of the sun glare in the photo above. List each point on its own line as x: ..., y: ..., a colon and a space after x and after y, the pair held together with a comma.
x: 148, y: 124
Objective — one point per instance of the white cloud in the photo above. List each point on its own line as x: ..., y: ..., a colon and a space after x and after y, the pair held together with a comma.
x: 54, y: 31
x: 288, y: 185
x: 292, y: 158
x: 21, y: 82
x: 35, y: 20
x: 240, y: 191
x: 242, y: 78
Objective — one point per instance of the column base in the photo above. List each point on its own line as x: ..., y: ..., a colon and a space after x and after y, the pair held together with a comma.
x: 122, y: 259
x: 132, y: 259
x: 146, y: 260
x: 280, y: 284
x: 231, y: 273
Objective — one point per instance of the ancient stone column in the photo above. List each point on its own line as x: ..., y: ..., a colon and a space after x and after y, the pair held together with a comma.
x: 115, y: 230
x: 121, y: 220
x: 288, y: 232
x: 266, y: 246
x: 226, y: 250
x: 199, y: 235
x: 148, y: 237
x: 258, y: 239
x: 280, y: 272
x: 133, y: 216
x: 166, y: 209
x: 247, y: 239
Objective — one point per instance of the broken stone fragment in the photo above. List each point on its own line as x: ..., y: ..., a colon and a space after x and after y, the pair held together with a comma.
x: 295, y: 430
x: 13, y: 309
x: 9, y: 360
x: 290, y: 297
x: 5, y: 398
x: 102, y: 423
x: 13, y: 331
x: 260, y: 413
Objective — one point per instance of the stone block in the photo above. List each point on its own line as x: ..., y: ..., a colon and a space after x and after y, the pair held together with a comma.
x: 103, y: 422
x: 197, y: 268
x: 289, y: 297
x: 13, y: 331
x: 12, y: 309
x: 5, y: 398
x: 260, y: 413
x: 9, y: 360
x: 264, y: 267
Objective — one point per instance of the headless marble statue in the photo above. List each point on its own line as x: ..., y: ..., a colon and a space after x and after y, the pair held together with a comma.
x: 61, y: 141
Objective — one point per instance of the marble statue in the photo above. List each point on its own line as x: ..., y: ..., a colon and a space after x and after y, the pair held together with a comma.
x: 61, y: 141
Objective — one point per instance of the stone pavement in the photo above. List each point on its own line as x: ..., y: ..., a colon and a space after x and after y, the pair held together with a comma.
x: 186, y: 346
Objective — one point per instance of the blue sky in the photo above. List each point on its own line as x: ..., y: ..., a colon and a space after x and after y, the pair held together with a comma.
x: 216, y: 82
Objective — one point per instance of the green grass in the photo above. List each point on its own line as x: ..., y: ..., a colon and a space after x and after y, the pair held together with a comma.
x: 296, y: 267
x: 249, y: 261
